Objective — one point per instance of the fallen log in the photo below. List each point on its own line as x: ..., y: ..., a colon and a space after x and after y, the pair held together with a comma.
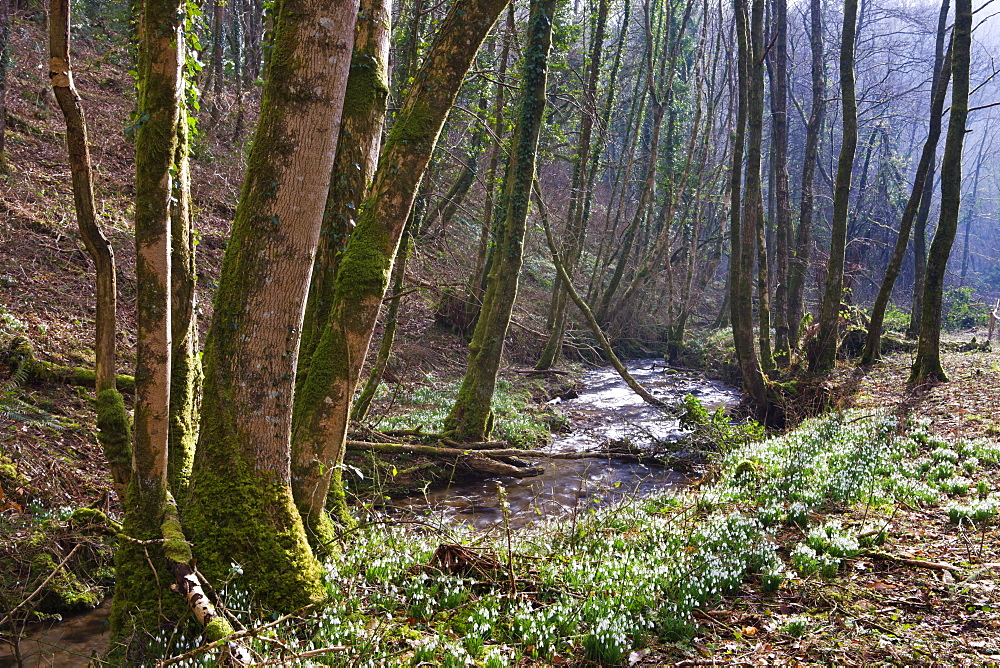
x: 20, y: 356
x: 452, y: 453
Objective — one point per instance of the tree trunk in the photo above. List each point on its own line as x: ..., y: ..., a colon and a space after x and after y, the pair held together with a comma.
x: 753, y: 196
x: 782, y: 198
x: 139, y: 591
x: 799, y: 265
x: 970, y: 213
x: 825, y: 355
x: 920, y: 223
x: 741, y: 233
x: 240, y: 508
x: 114, y: 428
x: 323, y: 399
x: 927, y: 366
x: 873, y: 342
x: 364, y: 400
x: 185, y: 366
x: 471, y: 418
x: 353, y: 168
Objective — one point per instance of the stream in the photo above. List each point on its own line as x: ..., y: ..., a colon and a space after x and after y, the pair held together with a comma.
x: 604, y: 410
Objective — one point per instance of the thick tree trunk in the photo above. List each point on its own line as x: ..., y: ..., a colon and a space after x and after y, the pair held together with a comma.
x: 873, y: 341
x: 114, y: 428
x: 353, y: 168
x: 140, y: 592
x: 323, y: 399
x: 240, y: 508
x: 825, y: 355
x: 927, y: 366
x: 920, y: 223
x: 799, y: 265
x: 471, y: 418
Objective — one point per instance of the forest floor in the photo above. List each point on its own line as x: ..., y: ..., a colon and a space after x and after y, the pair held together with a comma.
x: 930, y: 598
x: 942, y: 608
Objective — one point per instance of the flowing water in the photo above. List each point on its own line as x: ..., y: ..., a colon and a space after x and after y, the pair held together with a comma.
x: 605, y: 410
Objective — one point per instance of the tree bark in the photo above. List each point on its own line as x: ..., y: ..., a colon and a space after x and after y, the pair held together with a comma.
x: 927, y: 366
x: 873, y: 342
x: 323, y: 399
x: 741, y: 233
x: 920, y: 223
x: 114, y: 428
x: 240, y: 507
x: 753, y: 196
x: 799, y: 265
x: 471, y: 417
x: 139, y: 590
x: 782, y: 198
x: 825, y: 355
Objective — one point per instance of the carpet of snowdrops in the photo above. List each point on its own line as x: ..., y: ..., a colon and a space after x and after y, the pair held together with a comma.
x: 606, y: 582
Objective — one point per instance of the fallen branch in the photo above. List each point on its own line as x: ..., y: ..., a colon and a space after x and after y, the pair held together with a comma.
x: 917, y: 563
x: 452, y: 453
x: 587, y: 313
x: 230, y: 638
x: 177, y: 551
x: 20, y: 356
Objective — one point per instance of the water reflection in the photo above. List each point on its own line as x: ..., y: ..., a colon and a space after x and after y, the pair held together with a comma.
x: 605, y: 410
x: 68, y: 643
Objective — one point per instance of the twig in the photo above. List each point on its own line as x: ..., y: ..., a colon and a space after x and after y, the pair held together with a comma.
x: 10, y: 615
x: 917, y: 563
x: 239, y: 634
x: 305, y: 655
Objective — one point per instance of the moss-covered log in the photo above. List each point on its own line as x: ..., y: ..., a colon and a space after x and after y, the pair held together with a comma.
x: 324, y: 395
x: 20, y: 357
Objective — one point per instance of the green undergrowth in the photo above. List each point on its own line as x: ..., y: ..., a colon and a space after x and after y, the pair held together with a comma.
x: 614, y: 579
x: 518, y: 420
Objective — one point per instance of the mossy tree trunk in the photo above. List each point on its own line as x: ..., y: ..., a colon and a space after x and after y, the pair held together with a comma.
x: 240, y: 507
x: 323, y: 398
x: 4, y: 69
x: 920, y: 222
x: 927, y: 366
x: 364, y: 400
x: 741, y: 231
x: 114, y: 428
x: 477, y: 279
x: 471, y: 417
x: 798, y: 265
x: 353, y: 168
x: 782, y: 198
x: 185, y: 366
x: 873, y: 341
x: 140, y: 593
x: 753, y: 195
x: 825, y: 355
